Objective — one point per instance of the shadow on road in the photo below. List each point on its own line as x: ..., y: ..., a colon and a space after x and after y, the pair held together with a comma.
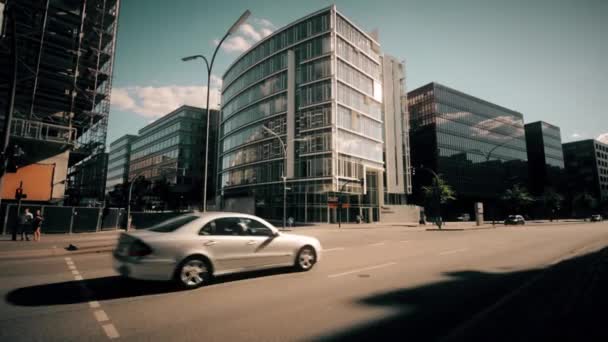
x: 567, y: 303
x: 105, y: 288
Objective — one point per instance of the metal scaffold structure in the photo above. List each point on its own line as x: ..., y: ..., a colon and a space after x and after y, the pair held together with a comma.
x: 65, y: 62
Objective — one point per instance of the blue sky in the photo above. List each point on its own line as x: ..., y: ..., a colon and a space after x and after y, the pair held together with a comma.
x: 543, y: 58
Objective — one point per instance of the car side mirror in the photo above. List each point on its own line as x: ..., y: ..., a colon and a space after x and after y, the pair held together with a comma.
x: 274, y: 234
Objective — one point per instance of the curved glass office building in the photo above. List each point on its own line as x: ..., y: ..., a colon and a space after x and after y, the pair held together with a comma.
x: 316, y: 84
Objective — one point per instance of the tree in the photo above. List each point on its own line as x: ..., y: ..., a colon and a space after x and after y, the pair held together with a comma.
x: 436, y: 194
x: 552, y: 202
x: 584, y: 204
x: 516, y: 198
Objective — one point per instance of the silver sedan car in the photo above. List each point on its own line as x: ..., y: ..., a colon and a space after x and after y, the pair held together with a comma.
x: 192, y: 248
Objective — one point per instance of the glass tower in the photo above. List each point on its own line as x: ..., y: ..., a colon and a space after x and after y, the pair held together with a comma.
x: 316, y: 84
x: 545, y: 157
x: 478, y: 147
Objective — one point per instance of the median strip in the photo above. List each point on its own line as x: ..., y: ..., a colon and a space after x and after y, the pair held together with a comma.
x: 361, y: 270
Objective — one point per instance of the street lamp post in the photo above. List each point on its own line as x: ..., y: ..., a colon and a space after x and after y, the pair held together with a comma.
x: 284, y: 171
x: 131, y: 192
x: 346, y: 181
x: 209, y: 66
x: 487, y: 156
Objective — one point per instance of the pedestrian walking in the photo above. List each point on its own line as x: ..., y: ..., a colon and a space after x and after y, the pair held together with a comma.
x: 37, y: 225
x: 25, y: 224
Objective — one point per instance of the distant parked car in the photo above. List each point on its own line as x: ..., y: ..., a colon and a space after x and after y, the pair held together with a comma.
x: 464, y: 217
x: 515, y: 220
x: 596, y: 218
x: 192, y: 248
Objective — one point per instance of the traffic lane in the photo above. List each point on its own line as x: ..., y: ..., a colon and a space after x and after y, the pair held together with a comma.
x: 287, y: 294
x: 28, y: 312
x: 253, y: 283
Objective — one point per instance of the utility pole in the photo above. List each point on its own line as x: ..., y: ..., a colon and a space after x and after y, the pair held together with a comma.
x: 9, y: 16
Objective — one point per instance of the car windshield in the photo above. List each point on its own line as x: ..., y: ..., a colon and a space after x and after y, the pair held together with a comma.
x: 173, y: 224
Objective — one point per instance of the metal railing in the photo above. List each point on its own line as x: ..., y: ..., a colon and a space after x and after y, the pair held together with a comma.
x: 38, y: 130
x: 67, y: 219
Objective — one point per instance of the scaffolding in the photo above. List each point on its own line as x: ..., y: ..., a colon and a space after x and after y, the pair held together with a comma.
x: 66, y: 54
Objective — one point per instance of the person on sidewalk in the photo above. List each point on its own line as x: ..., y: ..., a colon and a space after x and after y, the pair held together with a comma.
x: 37, y: 225
x: 25, y: 224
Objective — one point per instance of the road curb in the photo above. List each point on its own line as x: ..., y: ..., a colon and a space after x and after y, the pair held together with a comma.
x: 55, y: 252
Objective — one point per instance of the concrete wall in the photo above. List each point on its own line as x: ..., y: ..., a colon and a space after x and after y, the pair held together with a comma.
x: 399, y: 214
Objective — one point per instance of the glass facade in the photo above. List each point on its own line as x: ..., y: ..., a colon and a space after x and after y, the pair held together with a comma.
x: 118, y: 161
x: 545, y: 157
x: 315, y: 83
x: 587, y: 168
x: 478, y: 147
x: 173, y: 148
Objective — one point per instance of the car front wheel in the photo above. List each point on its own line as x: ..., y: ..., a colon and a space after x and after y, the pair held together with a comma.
x: 306, y: 258
x: 192, y: 273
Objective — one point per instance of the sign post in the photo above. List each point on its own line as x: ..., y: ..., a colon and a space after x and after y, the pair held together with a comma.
x: 479, y: 213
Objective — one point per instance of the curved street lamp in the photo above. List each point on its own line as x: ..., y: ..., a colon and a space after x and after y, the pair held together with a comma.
x: 284, y: 171
x: 209, y: 66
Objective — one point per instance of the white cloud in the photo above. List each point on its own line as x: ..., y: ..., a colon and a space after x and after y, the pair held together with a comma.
x: 264, y: 22
x: 236, y: 44
x: 575, y: 135
x: 266, y: 32
x: 603, y: 138
x: 153, y: 102
x: 248, y: 34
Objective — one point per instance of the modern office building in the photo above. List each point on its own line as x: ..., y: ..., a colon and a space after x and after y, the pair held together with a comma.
x: 545, y: 157
x: 478, y: 147
x: 118, y: 161
x: 172, y: 150
x: 317, y: 85
x: 587, y: 168
x: 65, y: 53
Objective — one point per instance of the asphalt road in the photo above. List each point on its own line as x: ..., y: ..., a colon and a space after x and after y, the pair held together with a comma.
x: 419, y: 285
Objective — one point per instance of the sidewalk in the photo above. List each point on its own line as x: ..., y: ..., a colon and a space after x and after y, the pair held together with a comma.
x: 55, y: 245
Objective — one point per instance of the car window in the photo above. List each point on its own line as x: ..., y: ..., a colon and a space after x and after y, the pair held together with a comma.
x: 173, y: 224
x: 224, y: 226
x: 255, y: 227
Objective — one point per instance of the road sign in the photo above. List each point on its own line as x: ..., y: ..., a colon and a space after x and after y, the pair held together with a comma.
x: 332, y: 205
x: 346, y: 205
x: 332, y: 198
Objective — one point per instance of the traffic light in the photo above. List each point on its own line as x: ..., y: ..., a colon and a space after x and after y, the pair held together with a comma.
x: 19, y: 194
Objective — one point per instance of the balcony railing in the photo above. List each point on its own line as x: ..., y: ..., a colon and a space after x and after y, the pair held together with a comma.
x: 42, y: 131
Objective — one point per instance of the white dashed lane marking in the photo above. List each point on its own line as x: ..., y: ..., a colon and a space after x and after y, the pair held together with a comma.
x: 110, y: 330
x: 101, y: 316
x: 361, y: 270
x: 378, y: 243
x: 454, y: 251
x: 333, y: 249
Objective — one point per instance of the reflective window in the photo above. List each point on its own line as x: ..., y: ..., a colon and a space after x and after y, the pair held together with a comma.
x: 359, y: 101
x: 356, y: 145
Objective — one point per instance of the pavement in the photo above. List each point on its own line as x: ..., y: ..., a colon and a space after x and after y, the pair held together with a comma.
x: 527, y: 283
x: 104, y: 241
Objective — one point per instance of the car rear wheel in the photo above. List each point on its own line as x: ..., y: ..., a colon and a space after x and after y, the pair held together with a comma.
x: 306, y: 258
x: 192, y: 273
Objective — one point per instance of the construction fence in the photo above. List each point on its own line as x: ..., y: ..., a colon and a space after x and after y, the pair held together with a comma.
x: 67, y: 219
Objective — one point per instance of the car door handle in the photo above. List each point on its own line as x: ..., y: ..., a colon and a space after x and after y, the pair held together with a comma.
x: 251, y: 242
x: 210, y: 243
